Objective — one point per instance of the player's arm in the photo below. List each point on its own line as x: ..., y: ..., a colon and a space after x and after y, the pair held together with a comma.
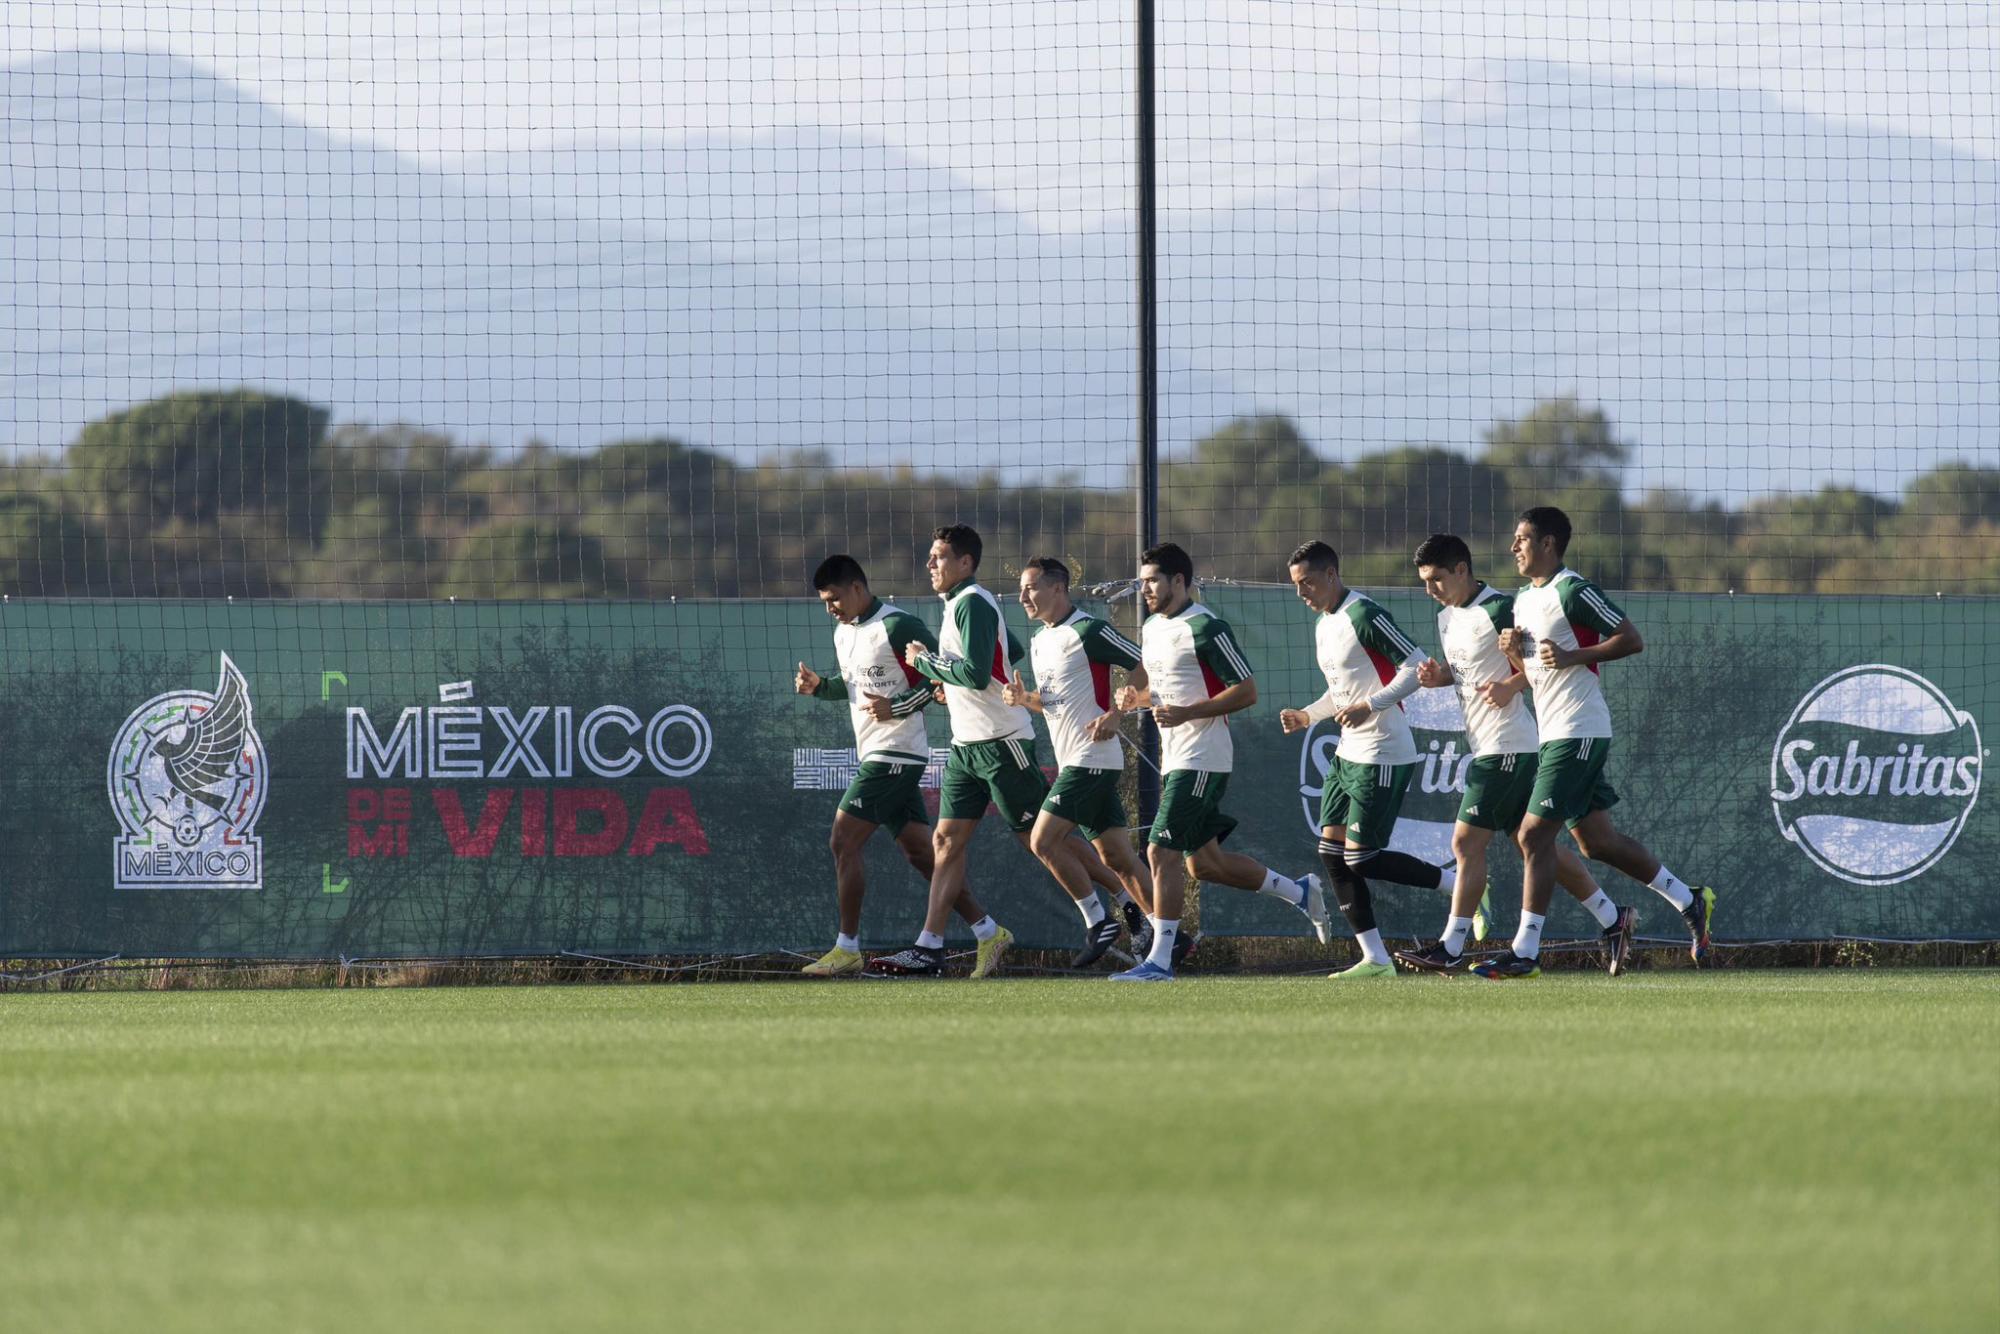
x: 1298, y: 720
x: 1585, y: 604
x: 1103, y: 644
x: 1216, y: 646
x: 1015, y: 692
x: 810, y: 682
x: 979, y: 630
x: 1378, y: 631
x: 905, y: 630
x: 1504, y: 690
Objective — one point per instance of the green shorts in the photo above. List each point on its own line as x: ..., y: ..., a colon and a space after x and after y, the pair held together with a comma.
x: 1569, y: 780
x: 1190, y: 815
x: 1496, y: 791
x: 887, y: 793
x: 1088, y: 799
x: 1364, y: 799
x: 1003, y: 772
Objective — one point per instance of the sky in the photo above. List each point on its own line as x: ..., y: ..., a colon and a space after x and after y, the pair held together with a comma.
x: 1030, y: 99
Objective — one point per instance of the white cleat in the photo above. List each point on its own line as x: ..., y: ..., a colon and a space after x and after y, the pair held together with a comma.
x: 1314, y: 908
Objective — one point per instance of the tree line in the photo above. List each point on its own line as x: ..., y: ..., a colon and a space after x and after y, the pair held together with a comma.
x: 248, y: 494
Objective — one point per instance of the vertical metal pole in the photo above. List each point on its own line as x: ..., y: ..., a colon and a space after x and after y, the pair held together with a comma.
x: 1149, y: 369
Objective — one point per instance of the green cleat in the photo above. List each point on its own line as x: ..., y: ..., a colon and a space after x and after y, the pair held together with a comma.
x: 991, y: 952
x: 1364, y: 969
x: 1700, y: 915
x: 836, y: 962
x: 1482, y: 916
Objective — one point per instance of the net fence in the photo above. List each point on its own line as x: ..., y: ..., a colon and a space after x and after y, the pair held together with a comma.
x: 605, y: 308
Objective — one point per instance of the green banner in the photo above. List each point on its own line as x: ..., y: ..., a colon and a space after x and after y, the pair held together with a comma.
x: 318, y: 780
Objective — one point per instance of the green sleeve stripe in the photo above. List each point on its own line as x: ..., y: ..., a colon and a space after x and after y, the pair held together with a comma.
x: 1103, y: 643
x: 1500, y: 610
x: 905, y: 629
x: 1227, y: 647
x: 1374, y: 628
x: 1603, y: 607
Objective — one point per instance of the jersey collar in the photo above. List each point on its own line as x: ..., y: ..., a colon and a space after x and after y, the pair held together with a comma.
x: 957, y: 588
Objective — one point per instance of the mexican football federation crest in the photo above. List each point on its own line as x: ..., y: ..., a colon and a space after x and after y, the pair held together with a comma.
x: 188, y: 779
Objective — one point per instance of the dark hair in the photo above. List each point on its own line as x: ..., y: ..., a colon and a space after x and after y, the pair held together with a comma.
x: 1548, y: 521
x: 963, y: 539
x: 1443, y: 551
x: 1315, y: 555
x: 1052, y: 567
x: 1170, y: 560
x: 841, y: 569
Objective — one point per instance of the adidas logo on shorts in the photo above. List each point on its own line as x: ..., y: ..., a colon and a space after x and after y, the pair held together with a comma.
x: 1472, y: 810
x: 1549, y: 802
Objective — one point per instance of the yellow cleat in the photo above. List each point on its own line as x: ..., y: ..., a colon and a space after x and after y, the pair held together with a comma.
x: 836, y: 962
x: 1364, y: 969
x: 991, y: 952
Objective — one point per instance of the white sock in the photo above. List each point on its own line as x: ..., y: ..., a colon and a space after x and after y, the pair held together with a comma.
x: 1600, y: 906
x: 1448, y: 877
x: 1092, y: 908
x: 1456, y: 929
x: 985, y: 928
x: 849, y: 943
x: 1290, y: 891
x: 1372, y: 948
x: 1669, y: 887
x: 1125, y: 897
x: 1165, y: 931
x: 931, y: 940
x: 1528, y: 940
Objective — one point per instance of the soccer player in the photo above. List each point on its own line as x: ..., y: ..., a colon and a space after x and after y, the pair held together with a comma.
x: 885, y: 701
x: 1370, y: 667
x: 1501, y: 729
x: 1196, y: 677
x: 1073, y: 653
x: 992, y: 753
x: 1564, y: 627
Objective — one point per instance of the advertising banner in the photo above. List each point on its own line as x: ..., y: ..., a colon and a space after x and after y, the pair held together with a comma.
x: 353, y: 779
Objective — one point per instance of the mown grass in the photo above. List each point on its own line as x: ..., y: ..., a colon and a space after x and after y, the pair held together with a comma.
x: 1753, y: 1151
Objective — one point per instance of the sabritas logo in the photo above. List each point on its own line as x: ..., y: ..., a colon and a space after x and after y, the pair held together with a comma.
x: 1430, y: 806
x: 1875, y: 774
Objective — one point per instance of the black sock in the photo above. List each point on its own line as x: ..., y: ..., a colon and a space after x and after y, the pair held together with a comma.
x: 1357, y: 905
x: 1404, y: 869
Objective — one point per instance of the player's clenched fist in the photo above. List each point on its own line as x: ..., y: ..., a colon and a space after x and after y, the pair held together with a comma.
x: 808, y: 680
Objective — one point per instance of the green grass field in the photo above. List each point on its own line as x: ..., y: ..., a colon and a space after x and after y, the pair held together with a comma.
x: 1775, y: 1151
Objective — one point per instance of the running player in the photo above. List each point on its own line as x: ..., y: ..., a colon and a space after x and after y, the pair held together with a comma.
x: 1073, y: 653
x: 1564, y: 627
x: 1197, y: 677
x: 992, y: 754
x: 1370, y: 667
x: 1501, y: 729
x: 885, y: 701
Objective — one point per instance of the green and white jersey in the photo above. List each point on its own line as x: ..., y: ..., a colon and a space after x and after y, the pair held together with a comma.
x: 870, y: 653
x: 971, y: 662
x: 1189, y: 658
x: 1471, y: 639
x: 1360, y: 648
x: 1073, y: 663
x: 1573, y: 612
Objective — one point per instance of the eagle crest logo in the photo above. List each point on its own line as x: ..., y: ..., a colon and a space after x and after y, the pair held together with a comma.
x: 188, y: 779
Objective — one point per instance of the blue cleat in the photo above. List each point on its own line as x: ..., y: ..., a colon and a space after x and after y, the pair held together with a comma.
x: 1147, y: 971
